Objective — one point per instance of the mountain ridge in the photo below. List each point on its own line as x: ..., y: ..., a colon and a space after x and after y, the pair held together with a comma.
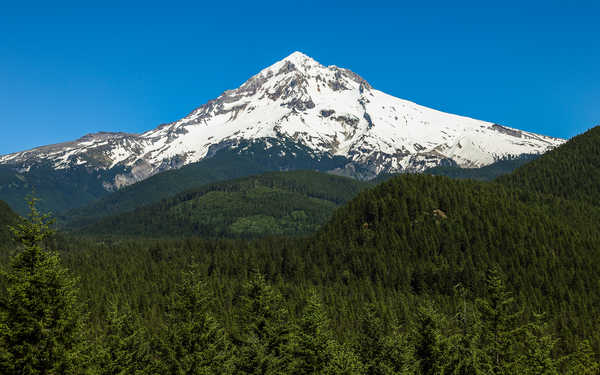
x: 331, y: 110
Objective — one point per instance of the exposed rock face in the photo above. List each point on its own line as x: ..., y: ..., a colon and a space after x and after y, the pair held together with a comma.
x: 329, y: 110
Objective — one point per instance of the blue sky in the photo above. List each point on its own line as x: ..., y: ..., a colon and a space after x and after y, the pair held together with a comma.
x: 67, y: 69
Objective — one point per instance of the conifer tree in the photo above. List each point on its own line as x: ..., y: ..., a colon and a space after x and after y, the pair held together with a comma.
x: 500, y: 327
x: 380, y: 351
x: 583, y: 361
x: 309, y: 347
x: 123, y: 348
x: 40, y: 314
x: 464, y: 352
x: 537, y: 357
x: 197, y: 344
x: 429, y: 345
x: 267, y: 330
x: 342, y: 360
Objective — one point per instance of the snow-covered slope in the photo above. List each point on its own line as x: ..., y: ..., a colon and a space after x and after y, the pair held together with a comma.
x: 329, y: 110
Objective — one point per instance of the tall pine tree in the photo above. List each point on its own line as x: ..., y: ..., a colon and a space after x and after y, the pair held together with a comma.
x: 500, y: 327
x: 267, y: 330
x: 123, y: 347
x: 40, y: 314
x: 309, y: 348
x: 197, y: 344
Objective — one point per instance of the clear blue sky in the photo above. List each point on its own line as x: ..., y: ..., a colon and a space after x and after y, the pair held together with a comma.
x: 67, y: 69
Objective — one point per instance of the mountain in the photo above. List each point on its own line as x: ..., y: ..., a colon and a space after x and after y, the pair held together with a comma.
x: 329, y: 113
x: 571, y: 171
x: 276, y: 203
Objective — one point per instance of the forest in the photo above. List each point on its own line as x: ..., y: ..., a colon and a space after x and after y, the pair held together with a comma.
x: 419, y: 274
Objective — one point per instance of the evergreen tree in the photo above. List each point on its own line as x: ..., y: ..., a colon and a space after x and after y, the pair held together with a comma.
x: 464, y: 352
x: 309, y: 349
x: 123, y: 348
x: 380, y: 351
x: 583, y: 361
x: 429, y: 344
x: 500, y: 327
x: 197, y: 344
x: 537, y: 357
x: 40, y: 315
x: 342, y: 361
x: 267, y: 333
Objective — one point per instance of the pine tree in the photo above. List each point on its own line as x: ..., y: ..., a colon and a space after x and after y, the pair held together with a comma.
x: 40, y: 315
x: 309, y: 347
x: 500, y: 327
x: 197, y: 344
x: 429, y: 344
x: 380, y: 351
x: 464, y: 352
x: 267, y: 330
x: 342, y: 361
x: 583, y: 361
x: 537, y: 357
x: 123, y: 348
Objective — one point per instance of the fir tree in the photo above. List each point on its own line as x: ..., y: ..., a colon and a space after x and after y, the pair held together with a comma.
x: 500, y: 327
x: 537, y: 357
x: 380, y: 351
x: 123, y: 349
x: 197, y: 344
x: 583, y: 361
x: 309, y: 347
x: 429, y: 344
x: 267, y: 332
x: 40, y: 314
x: 464, y: 352
x: 342, y: 361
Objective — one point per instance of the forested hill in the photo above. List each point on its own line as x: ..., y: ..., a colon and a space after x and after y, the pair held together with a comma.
x: 7, y: 217
x: 276, y: 203
x: 428, y: 234
x: 570, y: 171
x: 223, y: 167
x: 254, y: 158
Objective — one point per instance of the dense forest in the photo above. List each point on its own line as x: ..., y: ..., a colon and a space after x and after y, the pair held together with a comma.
x: 417, y: 275
x: 571, y: 171
x: 277, y: 203
x: 224, y: 164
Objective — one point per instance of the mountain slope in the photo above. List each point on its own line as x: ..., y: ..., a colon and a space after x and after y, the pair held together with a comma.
x: 280, y: 203
x: 58, y: 189
x: 427, y: 234
x: 296, y: 103
x: 571, y: 171
x: 224, y: 165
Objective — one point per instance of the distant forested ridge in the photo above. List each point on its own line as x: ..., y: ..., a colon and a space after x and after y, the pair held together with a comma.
x: 486, y: 173
x: 276, y: 203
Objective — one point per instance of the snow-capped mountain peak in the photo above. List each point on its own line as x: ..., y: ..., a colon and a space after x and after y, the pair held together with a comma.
x: 330, y: 111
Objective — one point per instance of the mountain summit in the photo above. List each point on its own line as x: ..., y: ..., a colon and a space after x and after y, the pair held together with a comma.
x: 296, y: 105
